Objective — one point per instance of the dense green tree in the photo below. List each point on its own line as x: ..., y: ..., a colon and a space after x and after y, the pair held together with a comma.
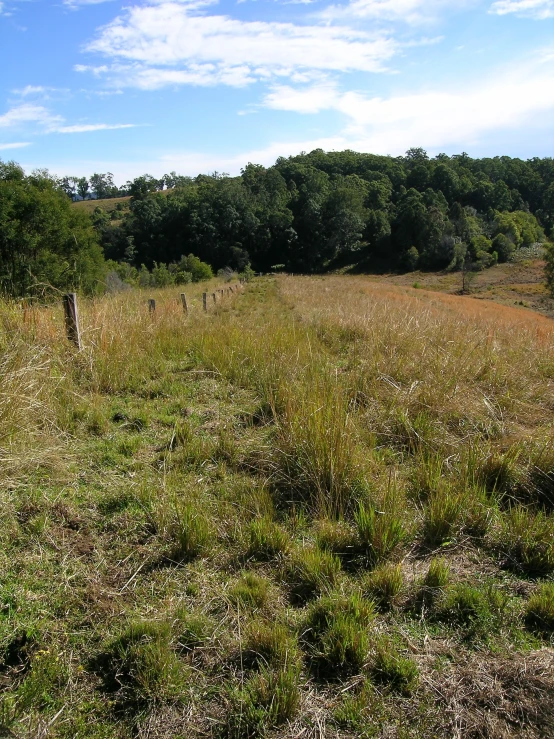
x: 44, y: 242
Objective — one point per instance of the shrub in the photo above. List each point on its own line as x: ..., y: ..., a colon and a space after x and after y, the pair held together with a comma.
x: 384, y: 584
x: 311, y: 572
x: 336, y: 634
x: 540, y: 609
x: 267, y: 540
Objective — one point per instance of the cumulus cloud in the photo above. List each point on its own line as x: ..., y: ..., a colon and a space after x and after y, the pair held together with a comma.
x: 432, y: 118
x: 538, y: 9
x: 169, y: 43
x: 28, y: 113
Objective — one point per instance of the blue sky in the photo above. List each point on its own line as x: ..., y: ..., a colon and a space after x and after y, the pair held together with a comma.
x: 202, y: 85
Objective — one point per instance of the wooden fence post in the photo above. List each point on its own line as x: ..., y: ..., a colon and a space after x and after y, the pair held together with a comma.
x: 205, y: 301
x: 72, y: 319
x: 184, y: 302
x: 151, y: 306
x: 214, y: 296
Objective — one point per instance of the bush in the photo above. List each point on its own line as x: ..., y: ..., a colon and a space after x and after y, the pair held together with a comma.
x: 196, y: 267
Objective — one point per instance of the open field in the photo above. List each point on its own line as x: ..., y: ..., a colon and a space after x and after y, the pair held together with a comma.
x: 322, y: 509
x: 512, y: 283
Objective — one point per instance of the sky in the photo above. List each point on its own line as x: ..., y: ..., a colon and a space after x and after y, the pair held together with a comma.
x: 197, y: 86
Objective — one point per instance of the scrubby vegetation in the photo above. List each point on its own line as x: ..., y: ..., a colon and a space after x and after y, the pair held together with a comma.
x: 324, y: 507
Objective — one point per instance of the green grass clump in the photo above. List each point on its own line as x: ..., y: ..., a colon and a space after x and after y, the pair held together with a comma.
x: 266, y: 540
x: 393, y: 669
x: 192, y: 629
x: 141, y: 667
x: 336, y: 634
x: 250, y: 591
x: 526, y: 539
x: 539, y: 614
x: 190, y: 532
x: 336, y: 536
x: 311, y: 572
x: 380, y: 533
x: 267, y: 700
x: 384, y: 584
x: 443, y: 513
x: 438, y: 574
x: 269, y: 644
x: 479, y: 611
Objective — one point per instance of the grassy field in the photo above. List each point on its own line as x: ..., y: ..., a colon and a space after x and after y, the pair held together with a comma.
x: 322, y: 509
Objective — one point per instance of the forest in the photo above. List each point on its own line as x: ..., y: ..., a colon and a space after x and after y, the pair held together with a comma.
x: 315, y: 212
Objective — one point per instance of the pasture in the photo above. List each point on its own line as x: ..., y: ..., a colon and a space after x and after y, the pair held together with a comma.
x: 322, y: 508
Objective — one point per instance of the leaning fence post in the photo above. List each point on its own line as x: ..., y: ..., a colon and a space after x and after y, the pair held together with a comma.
x: 72, y: 319
x: 214, y: 296
x: 184, y: 302
x: 151, y: 306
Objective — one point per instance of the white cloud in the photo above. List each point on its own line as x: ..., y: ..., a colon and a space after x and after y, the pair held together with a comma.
x: 172, y: 43
x: 538, y: 9
x: 404, y: 11
x: 15, y: 145
x: 432, y: 118
x: 76, y: 3
x: 28, y: 113
x: 86, y: 127
x: 40, y: 116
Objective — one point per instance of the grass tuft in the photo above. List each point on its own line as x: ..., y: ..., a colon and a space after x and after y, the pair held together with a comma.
x: 384, y: 584
x: 266, y: 540
x: 539, y: 614
x: 311, y: 572
x: 336, y: 634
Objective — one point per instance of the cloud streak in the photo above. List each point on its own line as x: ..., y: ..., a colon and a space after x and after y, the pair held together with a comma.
x: 537, y: 9
x: 39, y: 116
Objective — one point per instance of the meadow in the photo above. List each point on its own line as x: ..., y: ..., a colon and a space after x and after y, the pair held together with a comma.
x: 324, y: 508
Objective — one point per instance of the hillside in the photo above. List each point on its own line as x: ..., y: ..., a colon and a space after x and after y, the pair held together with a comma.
x: 322, y: 508
x: 520, y: 283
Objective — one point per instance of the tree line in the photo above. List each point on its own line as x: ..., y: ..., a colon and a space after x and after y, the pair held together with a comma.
x: 313, y: 212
